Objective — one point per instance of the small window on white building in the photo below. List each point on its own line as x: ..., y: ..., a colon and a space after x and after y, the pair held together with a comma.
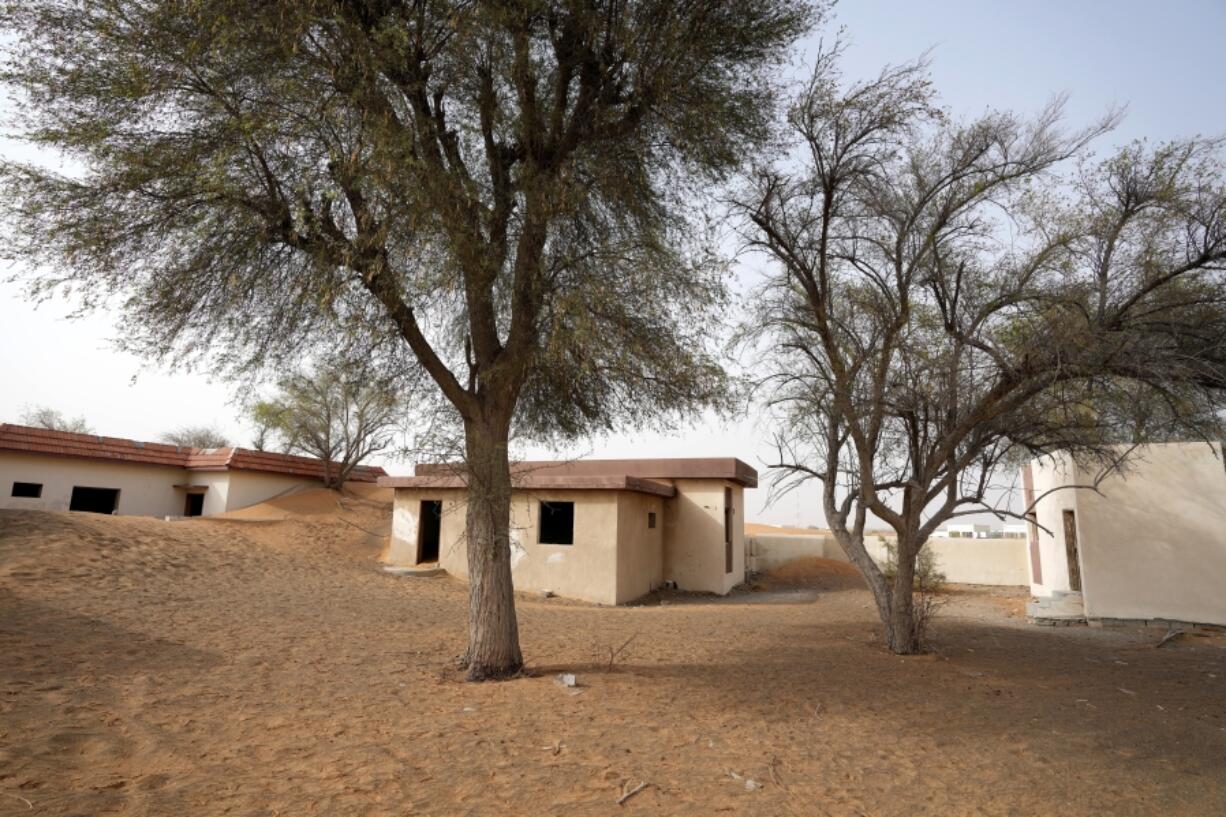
x: 651, y: 519
x: 557, y: 523
x: 28, y: 490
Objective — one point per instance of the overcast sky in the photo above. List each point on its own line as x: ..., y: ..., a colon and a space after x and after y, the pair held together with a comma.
x: 1165, y: 60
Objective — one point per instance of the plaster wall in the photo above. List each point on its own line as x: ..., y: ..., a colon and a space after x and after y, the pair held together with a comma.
x: 640, y: 552
x: 694, y: 536
x: 994, y: 561
x: 587, y: 570
x: 1048, y: 475
x: 1152, y: 541
x: 616, y: 557
x: 769, y: 551
x: 146, y: 490
x: 249, y: 487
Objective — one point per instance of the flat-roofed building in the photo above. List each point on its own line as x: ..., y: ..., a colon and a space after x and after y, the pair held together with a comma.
x: 606, y: 531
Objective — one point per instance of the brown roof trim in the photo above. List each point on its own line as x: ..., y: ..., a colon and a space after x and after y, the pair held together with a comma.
x: 725, y: 468
x: 534, y: 482
x: 42, y: 441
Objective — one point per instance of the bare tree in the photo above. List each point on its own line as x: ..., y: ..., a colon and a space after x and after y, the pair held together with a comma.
x: 54, y: 420
x: 195, y: 437
x: 341, y: 416
x: 508, y: 190
x: 944, y: 306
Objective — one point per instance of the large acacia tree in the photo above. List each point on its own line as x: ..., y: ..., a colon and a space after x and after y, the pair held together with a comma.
x: 943, y: 306
x: 505, y: 187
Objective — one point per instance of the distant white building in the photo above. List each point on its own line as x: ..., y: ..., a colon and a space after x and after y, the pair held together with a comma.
x: 969, y: 531
x: 981, y: 531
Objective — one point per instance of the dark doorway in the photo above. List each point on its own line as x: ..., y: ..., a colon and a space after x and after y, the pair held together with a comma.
x: 194, y: 506
x: 1070, y: 551
x: 728, y: 530
x: 429, y: 525
x: 94, y: 500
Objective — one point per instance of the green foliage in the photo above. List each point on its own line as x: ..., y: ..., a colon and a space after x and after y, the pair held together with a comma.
x: 49, y: 418
x: 927, y: 578
x: 509, y: 189
x: 196, y: 437
x: 341, y: 415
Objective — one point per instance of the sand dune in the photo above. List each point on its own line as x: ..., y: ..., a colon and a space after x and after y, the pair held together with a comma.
x: 263, y: 664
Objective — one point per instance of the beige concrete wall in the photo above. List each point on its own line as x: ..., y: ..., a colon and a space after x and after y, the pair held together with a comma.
x: 996, y: 561
x: 251, y: 487
x: 218, y: 493
x: 769, y: 551
x: 146, y: 490
x: 694, y: 536
x: 587, y: 570
x: 1152, y: 541
x: 1049, y: 474
x: 640, y: 553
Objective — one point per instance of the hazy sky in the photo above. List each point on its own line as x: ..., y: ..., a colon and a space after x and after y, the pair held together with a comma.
x: 1165, y: 60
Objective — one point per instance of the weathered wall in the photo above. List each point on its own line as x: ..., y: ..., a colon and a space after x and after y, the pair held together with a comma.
x: 768, y: 551
x: 1047, y: 475
x: 587, y: 570
x: 640, y: 554
x: 1152, y: 541
x: 146, y: 490
x: 249, y: 487
x: 217, y: 496
x: 694, y: 536
x: 615, y: 557
x: 996, y: 561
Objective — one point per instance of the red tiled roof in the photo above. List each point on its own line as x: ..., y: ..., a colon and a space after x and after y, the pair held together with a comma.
x: 115, y: 449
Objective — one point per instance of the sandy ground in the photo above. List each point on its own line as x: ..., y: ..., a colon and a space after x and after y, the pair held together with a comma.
x: 265, y: 665
x: 763, y: 529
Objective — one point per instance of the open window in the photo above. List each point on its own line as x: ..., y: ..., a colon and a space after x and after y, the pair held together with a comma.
x: 28, y: 490
x: 557, y: 523
x: 94, y: 500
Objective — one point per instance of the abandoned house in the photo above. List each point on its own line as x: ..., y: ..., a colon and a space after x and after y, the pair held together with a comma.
x: 605, y: 531
x: 1149, y: 543
x: 61, y: 471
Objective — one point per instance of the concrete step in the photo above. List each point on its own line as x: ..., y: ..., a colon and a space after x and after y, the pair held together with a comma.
x: 1059, y: 605
x: 416, y: 571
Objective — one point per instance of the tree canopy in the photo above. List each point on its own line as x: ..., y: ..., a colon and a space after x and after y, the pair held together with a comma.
x: 340, y: 415
x: 945, y: 304
x: 195, y: 437
x: 510, y: 190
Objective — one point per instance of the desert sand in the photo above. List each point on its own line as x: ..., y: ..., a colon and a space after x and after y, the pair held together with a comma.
x: 264, y: 664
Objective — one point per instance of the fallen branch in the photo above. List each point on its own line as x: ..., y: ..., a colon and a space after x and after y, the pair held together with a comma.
x: 29, y: 805
x: 632, y: 792
x: 1170, y: 636
x: 614, y: 653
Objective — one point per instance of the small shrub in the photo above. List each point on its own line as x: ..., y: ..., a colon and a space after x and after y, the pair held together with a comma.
x: 928, y: 578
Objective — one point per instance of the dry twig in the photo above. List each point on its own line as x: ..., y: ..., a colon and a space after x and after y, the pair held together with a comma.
x: 632, y: 792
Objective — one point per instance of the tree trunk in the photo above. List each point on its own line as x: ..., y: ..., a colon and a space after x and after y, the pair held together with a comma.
x: 901, y: 635
x: 493, y: 633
